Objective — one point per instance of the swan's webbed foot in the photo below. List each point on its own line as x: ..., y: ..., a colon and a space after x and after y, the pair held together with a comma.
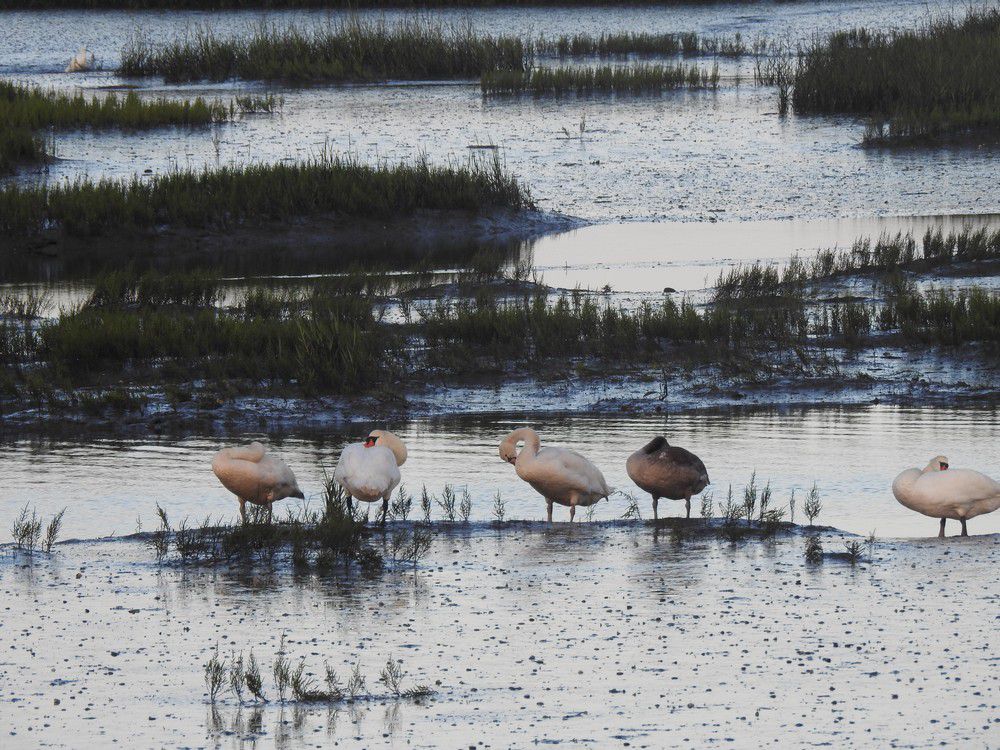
x: 941, y: 532
x: 965, y: 531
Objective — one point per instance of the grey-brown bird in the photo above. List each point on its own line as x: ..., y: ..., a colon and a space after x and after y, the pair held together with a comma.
x: 664, y: 470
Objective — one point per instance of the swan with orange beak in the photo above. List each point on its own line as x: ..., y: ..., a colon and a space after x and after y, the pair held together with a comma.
x: 369, y: 470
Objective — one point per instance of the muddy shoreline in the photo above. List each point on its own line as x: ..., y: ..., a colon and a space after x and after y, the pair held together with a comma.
x: 924, y: 383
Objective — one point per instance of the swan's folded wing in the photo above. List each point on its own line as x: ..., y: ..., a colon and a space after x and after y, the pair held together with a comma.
x: 963, y: 484
x: 578, y: 471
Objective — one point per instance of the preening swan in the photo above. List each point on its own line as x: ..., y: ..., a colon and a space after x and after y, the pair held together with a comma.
x: 942, y: 492
x: 370, y: 470
x: 81, y: 61
x: 255, y: 476
x: 560, y: 475
x: 667, y: 471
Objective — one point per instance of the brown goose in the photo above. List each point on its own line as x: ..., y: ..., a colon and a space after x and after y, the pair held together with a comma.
x: 667, y: 471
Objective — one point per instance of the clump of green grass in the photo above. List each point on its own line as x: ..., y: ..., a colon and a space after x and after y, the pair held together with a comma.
x: 620, y: 79
x: 253, y: 194
x: 319, y: 538
x: 34, y: 108
x: 19, y: 145
x: 352, y: 49
x: 813, y: 505
x: 215, y: 675
x: 499, y: 508
x: 126, y: 287
x: 916, y: 84
x: 646, y: 44
x: 447, y: 503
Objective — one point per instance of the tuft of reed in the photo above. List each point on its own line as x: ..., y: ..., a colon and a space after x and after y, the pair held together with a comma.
x: 499, y: 508
x: 647, y: 44
x: 447, y: 503
x: 812, y: 505
x: 215, y: 675
x: 853, y: 549
x: 584, y: 80
x: 351, y: 49
x: 813, y: 549
x: 234, y: 195
x: 34, y: 108
x: 26, y: 529
x: 916, y: 84
x: 52, y: 531
x: 19, y: 145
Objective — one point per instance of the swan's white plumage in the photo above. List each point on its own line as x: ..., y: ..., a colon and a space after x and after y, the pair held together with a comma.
x: 370, y: 473
x: 254, y: 475
x: 80, y: 62
x: 958, y: 494
x: 560, y: 475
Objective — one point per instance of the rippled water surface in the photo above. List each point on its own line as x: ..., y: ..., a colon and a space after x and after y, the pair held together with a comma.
x: 852, y: 454
x: 722, y: 155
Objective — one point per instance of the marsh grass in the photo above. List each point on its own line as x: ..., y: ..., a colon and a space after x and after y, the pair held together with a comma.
x: 499, y: 508
x: 126, y: 287
x: 584, y: 80
x: 916, y: 84
x: 813, y: 505
x: 230, y: 196
x: 853, y: 549
x: 333, y: 339
x: 26, y: 110
x: 52, y: 531
x: 813, y: 549
x: 401, y: 505
x: 707, y: 504
x: 647, y: 44
x: 447, y: 503
x: 26, y: 529
x: 352, y: 49
x: 465, y: 505
x: 215, y: 675
x: 34, y: 108
x: 19, y: 145
x: 318, y: 538
x: 426, y: 504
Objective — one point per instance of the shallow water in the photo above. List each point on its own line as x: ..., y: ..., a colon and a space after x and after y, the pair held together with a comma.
x: 686, y: 156
x: 852, y: 454
x: 592, y: 636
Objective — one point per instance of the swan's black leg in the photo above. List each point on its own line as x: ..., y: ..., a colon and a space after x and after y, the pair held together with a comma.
x: 385, y: 510
x: 941, y: 532
x: 965, y: 531
x: 550, y: 509
x: 687, y: 503
x: 243, y: 510
x: 656, y: 501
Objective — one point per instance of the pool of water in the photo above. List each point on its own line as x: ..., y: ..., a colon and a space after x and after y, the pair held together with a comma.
x: 111, y: 486
x: 683, y: 156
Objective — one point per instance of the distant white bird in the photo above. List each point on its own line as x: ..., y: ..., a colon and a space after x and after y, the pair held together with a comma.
x: 558, y: 474
x: 81, y: 61
x: 369, y: 471
x: 255, y: 476
x: 941, y: 492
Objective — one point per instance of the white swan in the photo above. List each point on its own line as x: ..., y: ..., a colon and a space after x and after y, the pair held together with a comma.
x: 558, y: 474
x: 941, y: 492
x: 255, y: 476
x: 81, y: 61
x: 370, y: 470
